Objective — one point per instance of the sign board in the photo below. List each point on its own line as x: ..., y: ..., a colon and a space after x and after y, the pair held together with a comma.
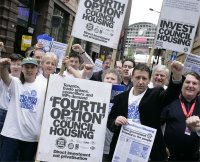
x: 100, y: 21
x: 134, y: 143
x: 74, y: 120
x: 177, y: 25
x: 59, y: 49
x: 97, y: 65
x: 192, y: 63
x: 46, y: 40
x: 26, y: 42
x: 140, y: 40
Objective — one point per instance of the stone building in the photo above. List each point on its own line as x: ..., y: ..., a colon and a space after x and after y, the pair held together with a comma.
x: 34, y: 17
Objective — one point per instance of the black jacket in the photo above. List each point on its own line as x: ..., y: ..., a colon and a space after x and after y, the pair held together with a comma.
x: 150, y: 108
x: 176, y: 139
x: 97, y: 76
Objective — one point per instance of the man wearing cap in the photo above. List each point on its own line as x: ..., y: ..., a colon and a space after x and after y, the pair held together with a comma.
x: 22, y: 125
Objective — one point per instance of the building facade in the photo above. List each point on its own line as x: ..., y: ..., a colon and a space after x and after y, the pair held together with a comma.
x: 20, y: 18
x: 140, y: 37
x: 8, y: 23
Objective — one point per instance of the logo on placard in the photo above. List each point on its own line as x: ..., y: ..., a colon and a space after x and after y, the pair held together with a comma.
x: 185, y: 49
x: 86, y: 142
x: 93, y: 143
x: 70, y: 145
x: 76, y: 146
x: 149, y: 135
x: 92, y: 147
x: 96, y: 30
x: 89, y: 26
x: 61, y: 143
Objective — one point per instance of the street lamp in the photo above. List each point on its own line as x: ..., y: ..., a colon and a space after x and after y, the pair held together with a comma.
x: 151, y: 9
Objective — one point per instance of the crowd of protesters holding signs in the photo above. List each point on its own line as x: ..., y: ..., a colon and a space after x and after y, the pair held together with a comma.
x: 148, y: 115
x: 164, y: 99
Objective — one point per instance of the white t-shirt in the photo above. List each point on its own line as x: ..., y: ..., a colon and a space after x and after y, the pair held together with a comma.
x: 42, y: 80
x: 25, y: 109
x: 4, y: 96
x: 133, y: 105
x: 150, y: 85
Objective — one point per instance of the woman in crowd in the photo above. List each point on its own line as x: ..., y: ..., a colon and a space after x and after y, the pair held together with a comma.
x: 48, y: 64
x: 109, y: 76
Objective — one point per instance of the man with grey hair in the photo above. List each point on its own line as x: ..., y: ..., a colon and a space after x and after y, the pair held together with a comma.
x: 160, y: 77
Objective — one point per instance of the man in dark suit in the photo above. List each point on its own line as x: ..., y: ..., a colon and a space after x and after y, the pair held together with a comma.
x: 143, y: 105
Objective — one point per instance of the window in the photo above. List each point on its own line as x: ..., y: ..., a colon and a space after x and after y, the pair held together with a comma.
x: 58, y: 33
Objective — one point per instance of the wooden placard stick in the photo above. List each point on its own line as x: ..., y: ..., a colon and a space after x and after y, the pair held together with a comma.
x: 114, y: 53
x: 62, y: 69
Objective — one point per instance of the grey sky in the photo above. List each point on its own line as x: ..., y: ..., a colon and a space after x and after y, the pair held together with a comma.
x: 140, y: 11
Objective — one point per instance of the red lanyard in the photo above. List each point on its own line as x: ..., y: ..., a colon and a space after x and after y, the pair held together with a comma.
x: 187, y: 114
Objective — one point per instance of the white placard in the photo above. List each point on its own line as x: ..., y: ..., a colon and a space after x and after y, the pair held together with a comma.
x: 100, y: 21
x: 74, y: 121
x: 97, y: 65
x: 192, y: 63
x: 134, y: 143
x: 59, y: 49
x: 177, y: 25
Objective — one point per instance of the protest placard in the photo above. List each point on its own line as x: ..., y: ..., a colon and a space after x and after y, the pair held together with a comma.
x: 46, y: 40
x: 177, y: 25
x: 59, y: 49
x: 100, y: 21
x: 134, y: 143
x: 192, y: 63
x: 74, y: 120
x: 26, y: 42
x: 97, y: 65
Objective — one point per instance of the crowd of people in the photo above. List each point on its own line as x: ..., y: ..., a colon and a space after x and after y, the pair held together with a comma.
x: 162, y: 99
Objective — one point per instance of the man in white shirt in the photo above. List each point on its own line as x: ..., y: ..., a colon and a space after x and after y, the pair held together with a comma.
x: 74, y: 61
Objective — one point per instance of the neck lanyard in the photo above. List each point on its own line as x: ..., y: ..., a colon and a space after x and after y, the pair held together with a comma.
x: 187, y: 114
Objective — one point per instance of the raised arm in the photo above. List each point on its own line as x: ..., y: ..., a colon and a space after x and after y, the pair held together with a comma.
x: 87, y: 71
x: 177, y: 70
x: 86, y: 58
x: 175, y: 84
x: 70, y: 69
x: 4, y: 66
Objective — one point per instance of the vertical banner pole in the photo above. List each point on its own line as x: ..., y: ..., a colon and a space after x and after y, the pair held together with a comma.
x: 62, y: 69
x: 113, y: 58
x: 150, y: 57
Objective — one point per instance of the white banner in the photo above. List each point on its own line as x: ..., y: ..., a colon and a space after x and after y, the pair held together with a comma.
x: 100, y: 21
x: 74, y: 121
x: 192, y: 63
x: 177, y: 25
x: 134, y: 143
